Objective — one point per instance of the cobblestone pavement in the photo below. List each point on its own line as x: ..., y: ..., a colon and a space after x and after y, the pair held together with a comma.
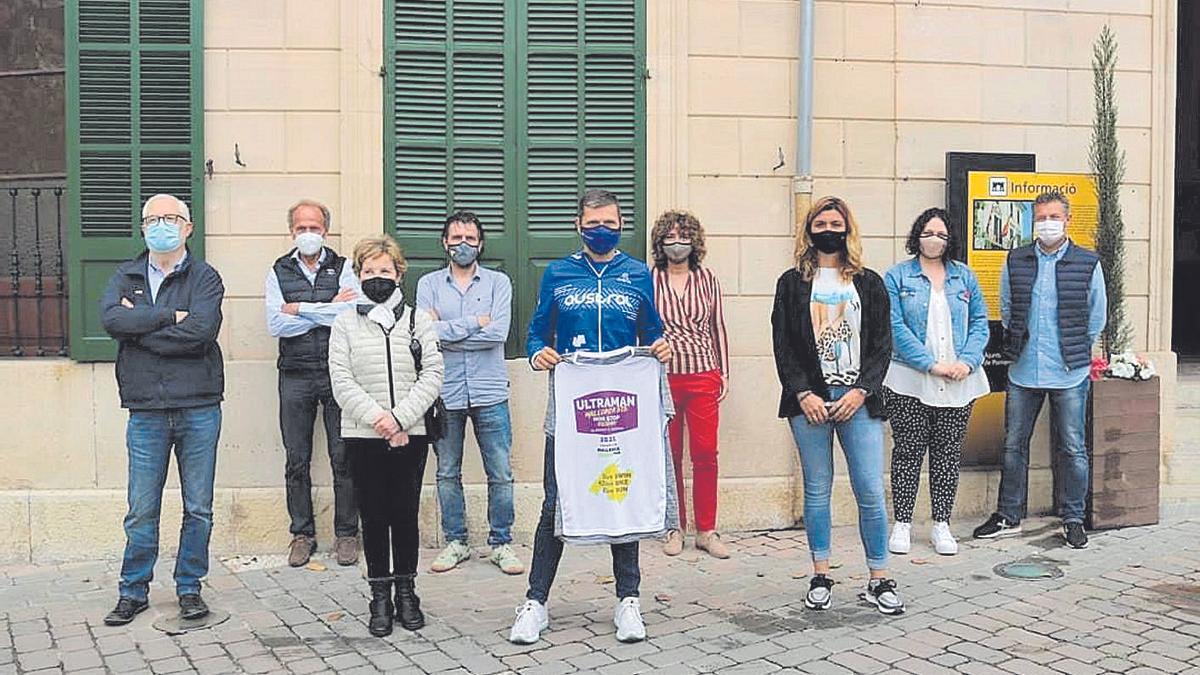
x: 1128, y: 604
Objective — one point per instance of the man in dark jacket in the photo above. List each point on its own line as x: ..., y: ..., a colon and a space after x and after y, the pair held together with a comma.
x: 164, y: 310
x: 305, y: 291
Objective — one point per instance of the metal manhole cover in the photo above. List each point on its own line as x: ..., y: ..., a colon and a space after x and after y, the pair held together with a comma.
x: 1028, y: 570
x: 173, y: 625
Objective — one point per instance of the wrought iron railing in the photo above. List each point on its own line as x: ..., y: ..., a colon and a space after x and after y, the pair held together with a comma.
x: 33, y: 284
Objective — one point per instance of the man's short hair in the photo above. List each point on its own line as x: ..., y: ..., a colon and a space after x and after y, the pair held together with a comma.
x: 596, y: 198
x: 183, y: 207
x: 325, y: 217
x: 466, y: 218
x: 1050, y: 196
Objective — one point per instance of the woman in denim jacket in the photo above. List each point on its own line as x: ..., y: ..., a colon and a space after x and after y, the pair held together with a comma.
x: 939, y: 329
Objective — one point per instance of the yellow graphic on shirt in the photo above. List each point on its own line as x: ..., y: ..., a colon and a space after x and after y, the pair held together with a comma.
x: 613, y: 482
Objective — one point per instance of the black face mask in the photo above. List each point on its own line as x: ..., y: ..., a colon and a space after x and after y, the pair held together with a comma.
x: 829, y: 241
x: 378, y: 289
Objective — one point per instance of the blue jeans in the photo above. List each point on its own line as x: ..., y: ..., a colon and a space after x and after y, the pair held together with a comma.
x: 548, y: 549
x: 493, y: 430
x: 862, y: 442
x: 1068, y: 407
x: 150, y: 436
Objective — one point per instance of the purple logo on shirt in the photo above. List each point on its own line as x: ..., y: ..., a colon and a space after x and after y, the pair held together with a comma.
x: 606, y: 412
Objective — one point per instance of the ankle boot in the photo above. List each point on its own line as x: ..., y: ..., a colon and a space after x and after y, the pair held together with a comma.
x: 408, y: 605
x: 381, y: 608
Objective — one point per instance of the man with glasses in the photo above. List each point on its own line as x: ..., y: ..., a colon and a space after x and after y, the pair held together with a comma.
x: 164, y: 310
x: 305, y: 291
x: 472, y: 307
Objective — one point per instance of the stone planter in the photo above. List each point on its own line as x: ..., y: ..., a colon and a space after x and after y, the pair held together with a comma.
x: 1123, y: 438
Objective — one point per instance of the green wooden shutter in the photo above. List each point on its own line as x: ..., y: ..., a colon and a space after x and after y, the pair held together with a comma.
x: 446, y: 115
x: 582, y: 125
x: 510, y: 108
x: 134, y: 128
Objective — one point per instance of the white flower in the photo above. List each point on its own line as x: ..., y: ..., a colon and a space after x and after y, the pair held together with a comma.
x: 1148, y: 371
x: 1122, y: 370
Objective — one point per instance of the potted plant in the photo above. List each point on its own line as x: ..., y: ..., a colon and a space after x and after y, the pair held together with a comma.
x: 1123, y: 429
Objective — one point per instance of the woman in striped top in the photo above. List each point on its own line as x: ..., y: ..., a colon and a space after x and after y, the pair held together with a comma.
x: 688, y: 298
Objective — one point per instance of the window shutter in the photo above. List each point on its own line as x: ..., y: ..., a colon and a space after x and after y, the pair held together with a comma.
x: 134, y: 129
x: 519, y: 149
x: 583, y: 103
x: 448, y: 140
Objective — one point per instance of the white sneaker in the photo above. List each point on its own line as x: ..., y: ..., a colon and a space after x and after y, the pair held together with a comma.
x: 943, y: 540
x: 628, y: 620
x: 901, y: 541
x: 532, y: 619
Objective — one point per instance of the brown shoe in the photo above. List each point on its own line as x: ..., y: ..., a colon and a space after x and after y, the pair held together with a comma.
x: 301, y: 550
x: 711, y: 542
x: 674, y: 544
x: 345, y: 549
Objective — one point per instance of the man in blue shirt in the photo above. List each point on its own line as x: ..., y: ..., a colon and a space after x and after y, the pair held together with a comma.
x: 305, y: 290
x: 1053, y: 306
x: 472, y: 307
x: 597, y: 299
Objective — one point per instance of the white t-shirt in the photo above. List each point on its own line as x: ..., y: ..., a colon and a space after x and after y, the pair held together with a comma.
x: 610, y: 445
x: 837, y: 326
x: 932, y: 390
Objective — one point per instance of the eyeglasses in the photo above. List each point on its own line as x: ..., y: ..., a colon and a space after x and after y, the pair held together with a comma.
x: 169, y: 218
x: 939, y: 235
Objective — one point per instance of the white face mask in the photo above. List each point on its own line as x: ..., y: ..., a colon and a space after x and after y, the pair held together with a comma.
x: 1049, y: 232
x: 309, y: 243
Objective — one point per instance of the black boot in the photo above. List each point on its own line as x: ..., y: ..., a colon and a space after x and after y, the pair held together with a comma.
x: 381, y: 608
x: 408, y: 605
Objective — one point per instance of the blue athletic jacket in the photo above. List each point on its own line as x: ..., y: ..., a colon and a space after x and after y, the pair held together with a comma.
x: 596, y: 307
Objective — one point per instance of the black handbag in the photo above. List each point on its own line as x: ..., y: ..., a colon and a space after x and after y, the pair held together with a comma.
x: 435, y: 417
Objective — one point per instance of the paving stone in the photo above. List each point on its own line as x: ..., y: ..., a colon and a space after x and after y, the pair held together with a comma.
x: 174, y: 664
x: 858, y: 663
x: 46, y: 658
x: 1073, y: 667
x: 215, y: 665
x: 922, y: 667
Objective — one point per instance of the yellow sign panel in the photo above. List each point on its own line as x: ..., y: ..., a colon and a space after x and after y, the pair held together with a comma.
x: 1000, y: 218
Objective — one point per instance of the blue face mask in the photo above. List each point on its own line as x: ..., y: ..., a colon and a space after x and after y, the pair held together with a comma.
x: 162, y: 237
x: 601, y: 239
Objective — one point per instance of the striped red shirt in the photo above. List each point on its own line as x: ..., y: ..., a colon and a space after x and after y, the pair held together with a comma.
x: 693, y: 323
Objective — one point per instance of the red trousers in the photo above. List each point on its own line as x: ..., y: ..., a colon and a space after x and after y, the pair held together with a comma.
x: 696, y: 406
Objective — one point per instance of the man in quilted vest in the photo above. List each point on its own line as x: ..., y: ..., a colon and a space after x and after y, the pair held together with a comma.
x: 1053, y: 306
x: 305, y: 290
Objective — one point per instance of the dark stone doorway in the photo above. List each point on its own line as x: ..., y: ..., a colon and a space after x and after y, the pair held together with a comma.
x: 1185, y: 338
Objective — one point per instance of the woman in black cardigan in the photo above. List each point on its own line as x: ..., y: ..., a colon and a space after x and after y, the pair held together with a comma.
x: 833, y: 342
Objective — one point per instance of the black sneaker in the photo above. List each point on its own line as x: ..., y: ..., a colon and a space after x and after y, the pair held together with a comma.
x: 997, y: 526
x: 1074, y: 534
x: 820, y: 592
x: 126, y: 609
x: 191, y: 607
x: 882, y: 593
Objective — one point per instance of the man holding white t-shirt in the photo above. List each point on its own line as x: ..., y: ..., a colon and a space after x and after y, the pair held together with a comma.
x: 595, y: 300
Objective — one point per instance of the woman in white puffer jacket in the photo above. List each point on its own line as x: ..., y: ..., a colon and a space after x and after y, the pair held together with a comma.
x: 384, y: 400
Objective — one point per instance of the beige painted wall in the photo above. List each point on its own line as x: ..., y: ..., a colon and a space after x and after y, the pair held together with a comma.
x: 295, y: 84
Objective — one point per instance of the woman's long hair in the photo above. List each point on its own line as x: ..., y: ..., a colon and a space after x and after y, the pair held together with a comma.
x: 806, y: 253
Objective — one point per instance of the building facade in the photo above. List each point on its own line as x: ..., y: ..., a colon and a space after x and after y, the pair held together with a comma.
x: 675, y: 104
